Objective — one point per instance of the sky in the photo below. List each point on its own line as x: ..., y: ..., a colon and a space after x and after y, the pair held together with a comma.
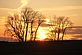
x: 68, y: 8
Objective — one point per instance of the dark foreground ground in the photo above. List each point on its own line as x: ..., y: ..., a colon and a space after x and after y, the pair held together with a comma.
x: 41, y: 48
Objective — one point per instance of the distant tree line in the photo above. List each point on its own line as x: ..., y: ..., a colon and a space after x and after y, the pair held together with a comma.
x: 58, y: 26
x: 29, y: 21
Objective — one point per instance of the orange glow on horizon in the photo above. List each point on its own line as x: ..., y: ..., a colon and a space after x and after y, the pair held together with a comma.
x: 42, y: 34
x: 48, y: 8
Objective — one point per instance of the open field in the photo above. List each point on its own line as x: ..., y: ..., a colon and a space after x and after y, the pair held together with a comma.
x: 41, y: 47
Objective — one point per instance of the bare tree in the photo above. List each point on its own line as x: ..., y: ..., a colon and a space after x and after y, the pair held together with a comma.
x: 15, y: 27
x: 39, y: 21
x: 34, y: 19
x: 28, y: 16
x: 58, y: 25
x: 19, y: 25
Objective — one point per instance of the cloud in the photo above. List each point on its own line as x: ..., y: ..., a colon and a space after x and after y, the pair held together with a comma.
x: 14, y: 4
x: 60, y: 8
x: 75, y: 38
x: 72, y: 31
x: 23, y: 3
x: 7, y: 11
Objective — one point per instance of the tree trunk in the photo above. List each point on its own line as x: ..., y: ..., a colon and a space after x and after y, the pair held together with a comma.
x: 31, y: 34
x: 63, y: 33
x: 35, y: 36
x: 58, y: 34
x: 55, y: 36
x: 26, y: 32
x: 36, y: 32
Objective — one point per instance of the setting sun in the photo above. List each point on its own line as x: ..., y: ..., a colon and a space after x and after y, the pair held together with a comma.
x: 41, y: 34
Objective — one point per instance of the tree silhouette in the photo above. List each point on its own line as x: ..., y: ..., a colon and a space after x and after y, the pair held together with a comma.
x: 59, y: 25
x: 15, y: 27
x: 27, y: 22
x: 40, y: 20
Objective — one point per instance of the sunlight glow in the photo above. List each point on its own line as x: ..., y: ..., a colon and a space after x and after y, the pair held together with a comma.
x: 47, y: 21
x: 42, y: 34
x: 61, y: 34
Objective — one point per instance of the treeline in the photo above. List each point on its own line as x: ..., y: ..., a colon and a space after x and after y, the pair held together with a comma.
x: 28, y: 22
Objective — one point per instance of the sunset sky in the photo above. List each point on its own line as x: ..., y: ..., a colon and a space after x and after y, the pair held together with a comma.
x: 68, y: 8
